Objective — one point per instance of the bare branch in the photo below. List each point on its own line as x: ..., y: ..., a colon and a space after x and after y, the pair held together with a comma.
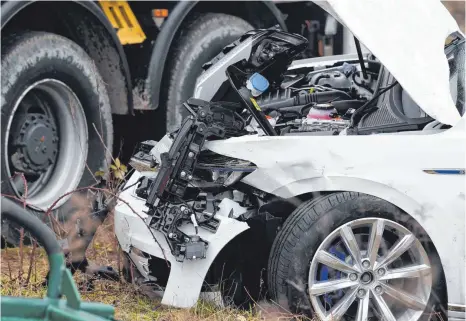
x: 49, y: 210
x: 103, y: 143
x: 21, y: 254
x: 31, y: 261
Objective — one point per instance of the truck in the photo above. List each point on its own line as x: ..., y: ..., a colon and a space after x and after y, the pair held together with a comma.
x: 85, y: 80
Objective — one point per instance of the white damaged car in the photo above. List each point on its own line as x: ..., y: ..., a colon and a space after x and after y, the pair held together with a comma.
x: 334, y: 187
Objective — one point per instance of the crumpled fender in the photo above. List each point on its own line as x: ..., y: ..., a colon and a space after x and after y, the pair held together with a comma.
x: 186, y: 278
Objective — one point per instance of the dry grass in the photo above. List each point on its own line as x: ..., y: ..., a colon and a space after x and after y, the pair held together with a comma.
x: 130, y: 303
x: 23, y: 270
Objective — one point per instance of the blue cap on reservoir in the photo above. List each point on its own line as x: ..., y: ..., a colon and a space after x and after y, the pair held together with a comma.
x: 257, y: 84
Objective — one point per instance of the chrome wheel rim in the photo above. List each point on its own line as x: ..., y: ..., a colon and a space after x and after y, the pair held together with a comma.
x: 370, y: 269
x: 51, y: 109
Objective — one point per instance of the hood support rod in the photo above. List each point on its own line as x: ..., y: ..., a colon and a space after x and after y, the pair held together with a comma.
x: 360, y: 57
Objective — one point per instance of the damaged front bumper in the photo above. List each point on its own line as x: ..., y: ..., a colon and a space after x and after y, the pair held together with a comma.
x: 186, y: 278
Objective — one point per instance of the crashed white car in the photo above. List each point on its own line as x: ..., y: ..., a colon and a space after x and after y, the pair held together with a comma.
x: 332, y: 186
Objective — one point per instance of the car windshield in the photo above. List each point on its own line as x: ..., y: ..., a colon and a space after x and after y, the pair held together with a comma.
x: 456, y: 59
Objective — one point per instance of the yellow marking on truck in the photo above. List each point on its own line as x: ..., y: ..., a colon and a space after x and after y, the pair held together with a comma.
x: 121, y: 17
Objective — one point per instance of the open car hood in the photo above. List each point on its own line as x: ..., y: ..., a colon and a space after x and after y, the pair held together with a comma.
x: 408, y: 37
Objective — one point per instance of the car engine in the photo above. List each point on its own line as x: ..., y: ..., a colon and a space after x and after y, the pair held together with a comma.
x: 299, y: 96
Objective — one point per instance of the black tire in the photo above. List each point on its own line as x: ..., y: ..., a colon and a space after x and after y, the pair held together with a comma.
x: 32, y: 57
x: 306, y: 228
x: 200, y: 40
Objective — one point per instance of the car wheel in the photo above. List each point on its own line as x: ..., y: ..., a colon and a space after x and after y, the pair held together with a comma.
x: 56, y: 119
x: 201, y: 40
x: 349, y: 256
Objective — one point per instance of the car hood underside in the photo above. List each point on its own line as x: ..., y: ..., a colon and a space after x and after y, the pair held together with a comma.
x: 408, y: 37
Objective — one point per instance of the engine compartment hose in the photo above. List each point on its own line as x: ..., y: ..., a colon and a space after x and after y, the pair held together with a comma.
x: 304, y: 99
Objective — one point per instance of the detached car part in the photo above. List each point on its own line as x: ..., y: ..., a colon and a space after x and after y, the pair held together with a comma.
x: 166, y: 195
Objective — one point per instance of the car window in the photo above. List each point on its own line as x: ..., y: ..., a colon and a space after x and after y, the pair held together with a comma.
x: 456, y: 60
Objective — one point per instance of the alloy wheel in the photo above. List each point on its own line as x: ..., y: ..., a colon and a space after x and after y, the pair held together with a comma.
x: 370, y: 269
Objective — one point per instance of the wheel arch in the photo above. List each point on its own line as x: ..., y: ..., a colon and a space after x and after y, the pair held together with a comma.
x: 171, y: 27
x: 83, y: 25
x: 310, y: 188
x: 249, y: 248
x: 406, y: 204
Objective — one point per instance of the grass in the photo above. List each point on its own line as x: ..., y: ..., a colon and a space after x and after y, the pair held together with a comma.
x: 24, y: 268
x: 23, y: 271
x: 132, y: 305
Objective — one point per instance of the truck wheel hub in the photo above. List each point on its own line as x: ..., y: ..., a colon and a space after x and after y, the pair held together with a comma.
x: 37, y: 143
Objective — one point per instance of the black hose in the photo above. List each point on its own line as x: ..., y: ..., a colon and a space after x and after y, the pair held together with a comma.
x: 304, y: 99
x: 16, y: 214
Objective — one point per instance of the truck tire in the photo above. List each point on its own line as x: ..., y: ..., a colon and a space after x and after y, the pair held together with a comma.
x: 313, y: 234
x: 53, y: 102
x: 200, y: 40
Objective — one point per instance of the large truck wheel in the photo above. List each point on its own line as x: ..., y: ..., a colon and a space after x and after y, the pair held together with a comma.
x: 200, y: 41
x: 54, y: 108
